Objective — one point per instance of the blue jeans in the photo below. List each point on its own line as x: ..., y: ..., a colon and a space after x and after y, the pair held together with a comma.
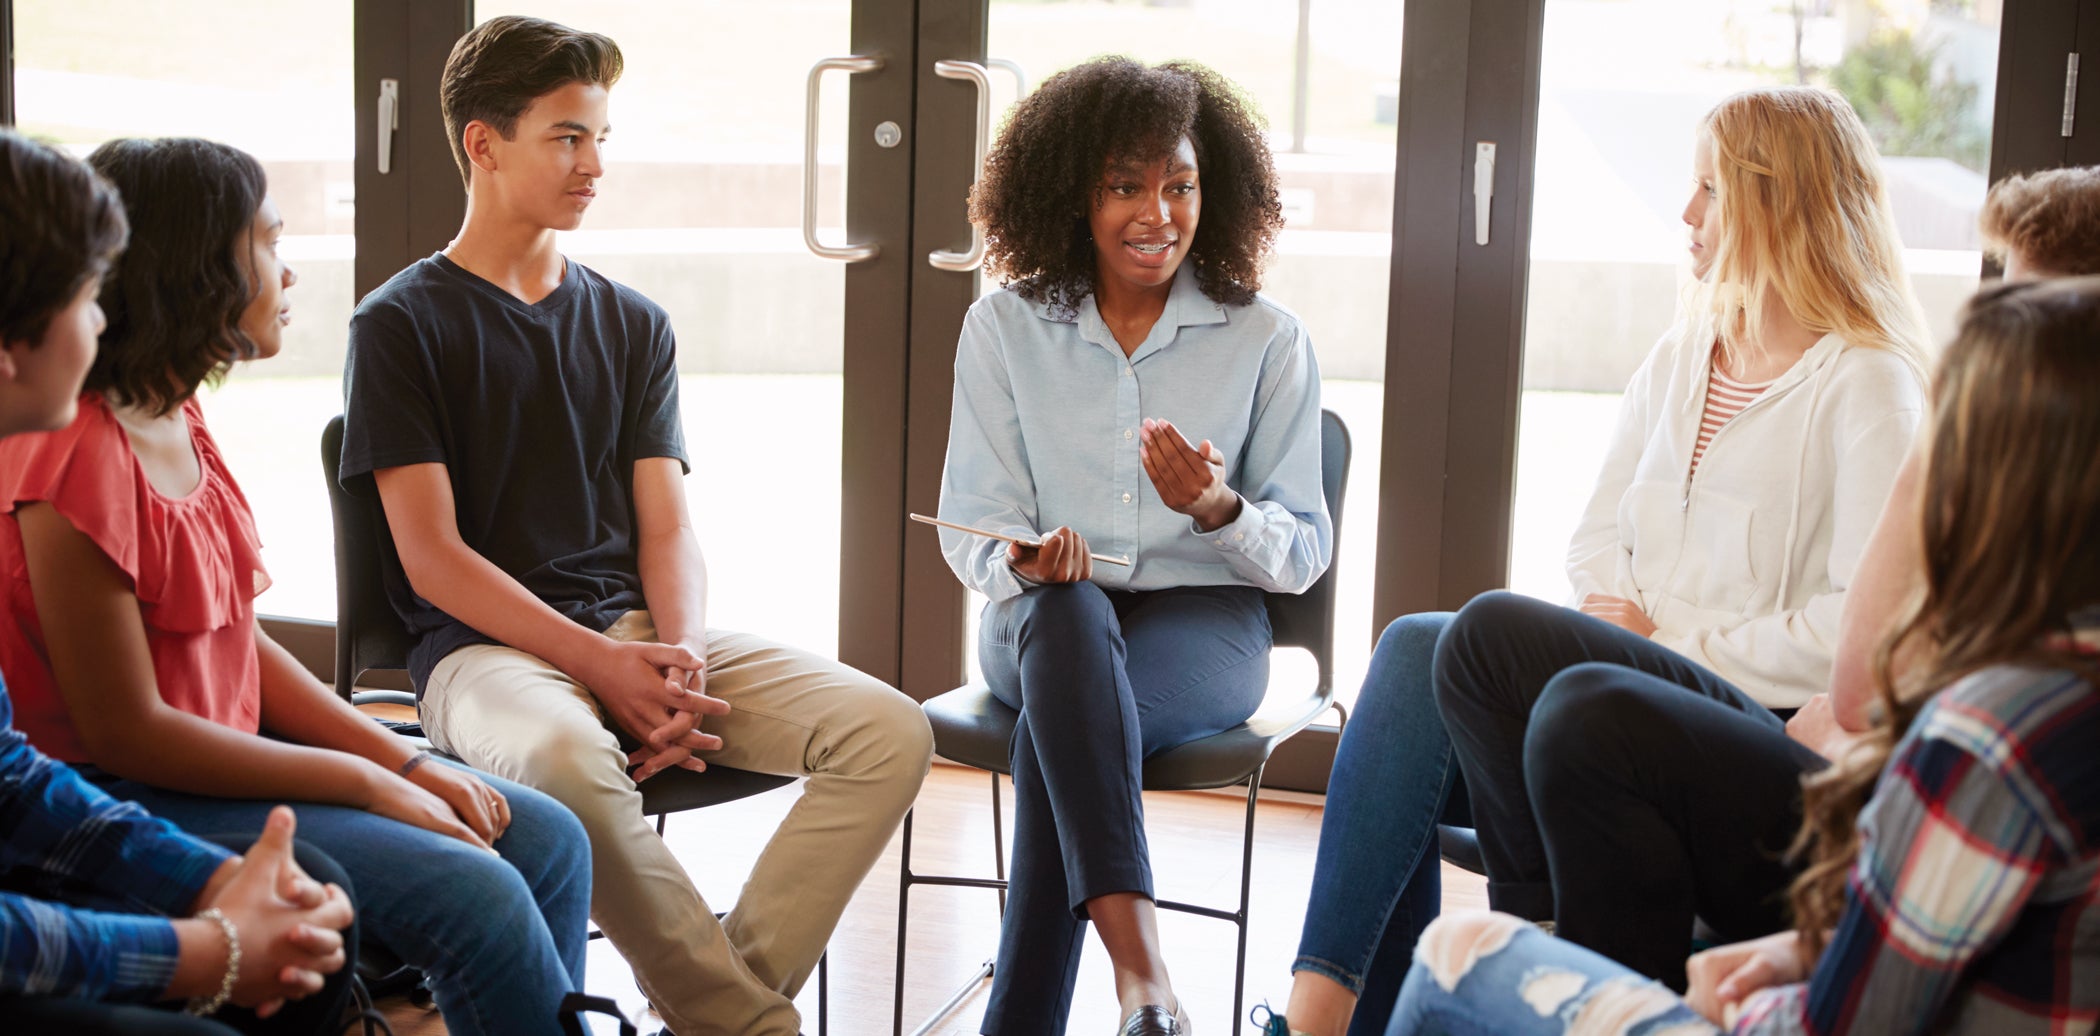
x: 1102, y: 679
x: 499, y: 940
x: 1533, y: 985
x: 1377, y: 881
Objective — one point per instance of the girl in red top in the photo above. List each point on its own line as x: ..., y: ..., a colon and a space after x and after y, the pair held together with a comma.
x: 127, y: 624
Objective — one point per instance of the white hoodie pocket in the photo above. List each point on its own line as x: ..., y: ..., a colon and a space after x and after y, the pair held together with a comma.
x: 1717, y: 574
x: 1651, y: 528
x: 1694, y: 555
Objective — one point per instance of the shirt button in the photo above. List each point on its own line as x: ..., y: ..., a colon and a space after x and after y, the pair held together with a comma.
x: 1238, y: 536
x: 1126, y: 372
x: 1126, y: 498
x: 1126, y: 435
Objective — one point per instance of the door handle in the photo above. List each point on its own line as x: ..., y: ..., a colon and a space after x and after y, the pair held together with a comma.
x: 971, y: 72
x: 1483, y: 189
x: 843, y: 253
x: 389, y: 121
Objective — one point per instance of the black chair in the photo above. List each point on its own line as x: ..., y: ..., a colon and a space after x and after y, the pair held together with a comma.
x: 972, y: 727
x: 369, y: 637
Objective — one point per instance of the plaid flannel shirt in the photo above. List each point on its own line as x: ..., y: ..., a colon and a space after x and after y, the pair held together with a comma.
x: 1972, y: 906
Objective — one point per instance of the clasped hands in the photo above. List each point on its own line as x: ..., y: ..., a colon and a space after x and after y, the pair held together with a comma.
x: 1190, y: 480
x: 290, y: 926
x: 656, y: 693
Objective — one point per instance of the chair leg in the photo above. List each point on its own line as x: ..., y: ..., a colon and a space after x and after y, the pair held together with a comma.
x: 661, y: 819
x: 998, y: 845
x: 824, y: 994
x: 903, y: 919
x: 1239, y: 967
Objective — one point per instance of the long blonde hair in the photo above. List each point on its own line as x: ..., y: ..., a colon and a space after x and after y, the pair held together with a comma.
x: 1804, y: 219
x: 2011, y: 543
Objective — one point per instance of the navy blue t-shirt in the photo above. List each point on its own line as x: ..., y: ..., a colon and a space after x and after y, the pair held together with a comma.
x: 538, y: 412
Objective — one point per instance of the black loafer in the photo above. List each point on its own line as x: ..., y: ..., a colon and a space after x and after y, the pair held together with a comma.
x: 1154, y: 1020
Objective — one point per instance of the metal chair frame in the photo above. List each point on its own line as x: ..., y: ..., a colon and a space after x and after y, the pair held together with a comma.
x: 369, y: 637
x: 1305, y: 621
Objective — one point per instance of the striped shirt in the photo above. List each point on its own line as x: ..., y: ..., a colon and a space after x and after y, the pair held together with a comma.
x: 1975, y: 904
x: 1725, y: 398
x: 60, y: 835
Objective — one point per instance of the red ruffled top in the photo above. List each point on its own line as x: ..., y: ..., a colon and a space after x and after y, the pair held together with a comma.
x: 194, y: 562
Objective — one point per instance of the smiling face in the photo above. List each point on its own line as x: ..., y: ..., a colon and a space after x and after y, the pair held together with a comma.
x: 1144, y: 219
x: 1701, y: 214
x: 547, y: 172
x: 268, y: 312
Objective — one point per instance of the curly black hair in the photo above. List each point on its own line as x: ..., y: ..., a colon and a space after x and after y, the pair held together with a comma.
x: 174, y: 299
x: 1044, y: 176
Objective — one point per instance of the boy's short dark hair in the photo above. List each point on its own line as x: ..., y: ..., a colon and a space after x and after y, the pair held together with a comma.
x: 60, y: 227
x: 174, y: 301
x: 504, y: 64
x: 2051, y: 219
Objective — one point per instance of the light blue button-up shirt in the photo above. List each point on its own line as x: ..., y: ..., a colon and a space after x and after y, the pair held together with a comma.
x: 1045, y: 433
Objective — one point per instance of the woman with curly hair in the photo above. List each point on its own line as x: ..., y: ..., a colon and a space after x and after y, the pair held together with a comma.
x: 1950, y: 855
x: 1130, y: 209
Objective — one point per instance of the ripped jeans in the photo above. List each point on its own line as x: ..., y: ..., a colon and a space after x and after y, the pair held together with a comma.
x: 1480, y: 974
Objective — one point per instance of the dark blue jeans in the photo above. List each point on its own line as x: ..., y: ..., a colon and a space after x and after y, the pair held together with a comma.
x: 500, y: 938
x: 1620, y: 788
x: 1376, y: 880
x: 1102, y: 679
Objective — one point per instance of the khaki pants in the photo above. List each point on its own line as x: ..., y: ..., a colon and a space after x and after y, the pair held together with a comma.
x: 864, y: 747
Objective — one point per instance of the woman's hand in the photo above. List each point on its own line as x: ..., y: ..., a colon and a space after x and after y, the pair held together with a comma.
x: 1619, y: 612
x: 290, y: 926
x: 1190, y: 479
x: 1721, y: 978
x: 477, y: 805
x: 1815, y: 725
x: 394, y: 798
x: 1061, y: 559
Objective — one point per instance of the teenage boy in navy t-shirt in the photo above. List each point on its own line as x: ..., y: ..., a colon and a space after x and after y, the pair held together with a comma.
x: 518, y: 413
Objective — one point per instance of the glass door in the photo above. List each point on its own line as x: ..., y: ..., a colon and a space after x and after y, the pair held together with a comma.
x: 87, y: 71
x: 1623, y: 85
x: 701, y: 210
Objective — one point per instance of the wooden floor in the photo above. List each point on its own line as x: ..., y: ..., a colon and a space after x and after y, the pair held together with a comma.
x: 1195, y: 840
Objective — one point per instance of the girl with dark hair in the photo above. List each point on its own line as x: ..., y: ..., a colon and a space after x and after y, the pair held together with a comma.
x: 101, y: 905
x: 132, y: 638
x: 1130, y: 209
x: 1951, y: 856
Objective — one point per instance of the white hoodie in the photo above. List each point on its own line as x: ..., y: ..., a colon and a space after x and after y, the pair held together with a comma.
x: 1743, y: 568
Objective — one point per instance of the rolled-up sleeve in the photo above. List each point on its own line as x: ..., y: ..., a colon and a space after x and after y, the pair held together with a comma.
x: 1283, y: 538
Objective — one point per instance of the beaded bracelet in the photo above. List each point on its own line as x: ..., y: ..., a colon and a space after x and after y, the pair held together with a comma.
x: 202, y: 1006
x: 414, y: 761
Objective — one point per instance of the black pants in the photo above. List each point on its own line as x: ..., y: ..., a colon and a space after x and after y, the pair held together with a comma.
x: 312, y: 1016
x: 1620, y: 789
x: 1102, y: 680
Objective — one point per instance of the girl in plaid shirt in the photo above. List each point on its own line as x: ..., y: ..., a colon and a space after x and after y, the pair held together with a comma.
x: 1953, y: 856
